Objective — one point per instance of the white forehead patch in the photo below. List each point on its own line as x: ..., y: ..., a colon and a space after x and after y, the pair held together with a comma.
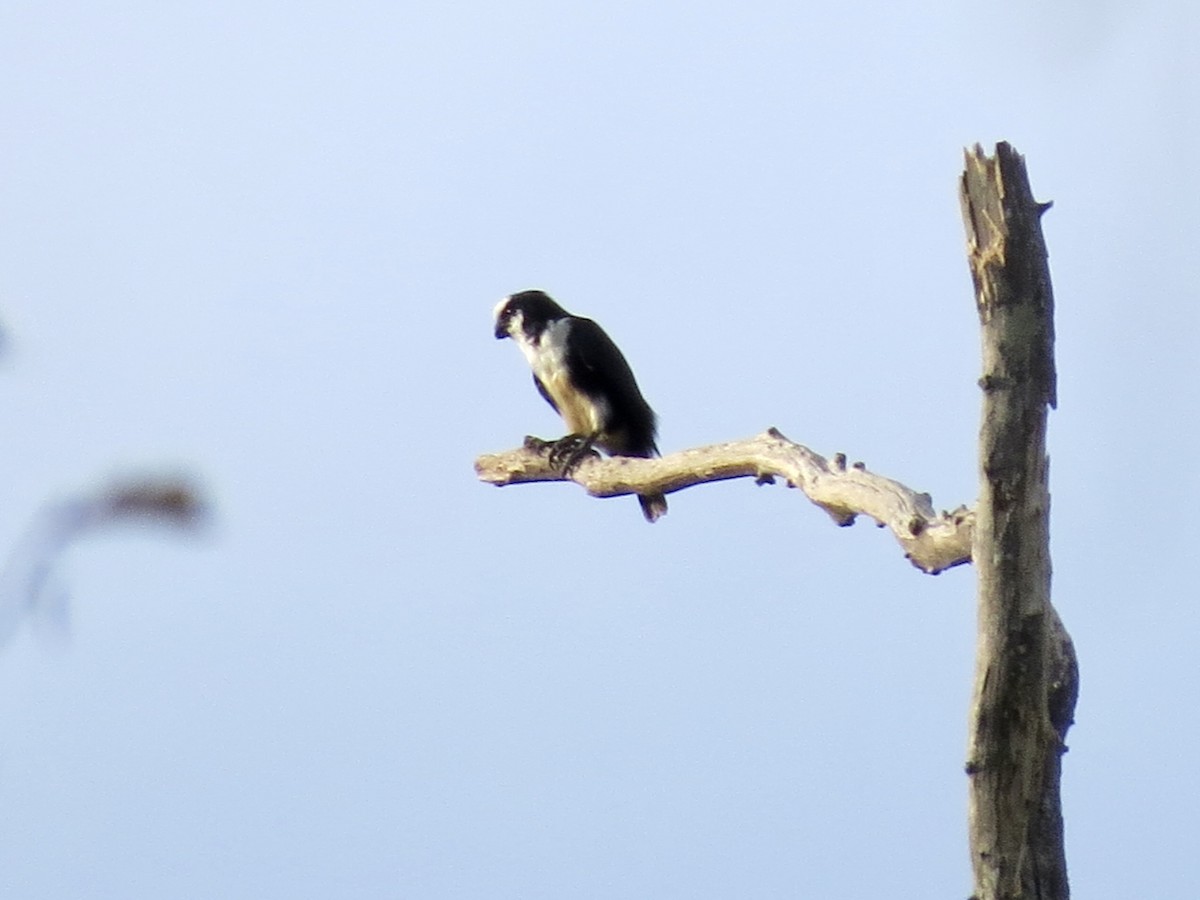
x: 516, y: 320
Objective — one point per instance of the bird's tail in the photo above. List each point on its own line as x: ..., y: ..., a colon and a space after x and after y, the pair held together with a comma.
x: 654, y: 506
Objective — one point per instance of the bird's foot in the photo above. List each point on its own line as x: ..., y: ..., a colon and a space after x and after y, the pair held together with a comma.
x: 568, y: 452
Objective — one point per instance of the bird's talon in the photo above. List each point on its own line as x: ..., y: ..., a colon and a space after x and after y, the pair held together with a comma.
x: 572, y: 464
x: 567, y: 453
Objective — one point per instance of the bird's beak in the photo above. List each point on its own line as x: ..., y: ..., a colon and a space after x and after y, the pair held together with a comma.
x: 501, y: 329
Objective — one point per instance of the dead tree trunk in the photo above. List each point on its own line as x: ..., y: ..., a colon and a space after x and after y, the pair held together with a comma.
x: 1025, y: 673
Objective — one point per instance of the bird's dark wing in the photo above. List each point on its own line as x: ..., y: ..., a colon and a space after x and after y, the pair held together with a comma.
x: 599, y: 369
x: 545, y: 393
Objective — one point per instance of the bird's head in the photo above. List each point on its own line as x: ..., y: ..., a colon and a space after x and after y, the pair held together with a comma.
x: 527, y: 313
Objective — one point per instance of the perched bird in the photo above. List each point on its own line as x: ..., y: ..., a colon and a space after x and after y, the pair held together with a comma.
x: 580, y: 372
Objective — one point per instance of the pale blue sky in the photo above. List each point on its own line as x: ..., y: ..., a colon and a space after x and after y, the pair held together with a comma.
x: 262, y: 242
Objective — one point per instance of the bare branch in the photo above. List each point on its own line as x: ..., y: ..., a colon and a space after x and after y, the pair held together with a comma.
x: 933, y: 542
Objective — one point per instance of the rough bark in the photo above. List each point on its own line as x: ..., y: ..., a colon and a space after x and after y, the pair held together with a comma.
x: 932, y: 541
x: 1025, y: 674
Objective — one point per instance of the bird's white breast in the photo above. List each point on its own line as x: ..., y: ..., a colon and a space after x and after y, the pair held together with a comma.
x: 547, y: 356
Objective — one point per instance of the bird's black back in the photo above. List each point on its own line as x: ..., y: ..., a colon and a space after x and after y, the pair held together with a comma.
x: 600, y: 370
